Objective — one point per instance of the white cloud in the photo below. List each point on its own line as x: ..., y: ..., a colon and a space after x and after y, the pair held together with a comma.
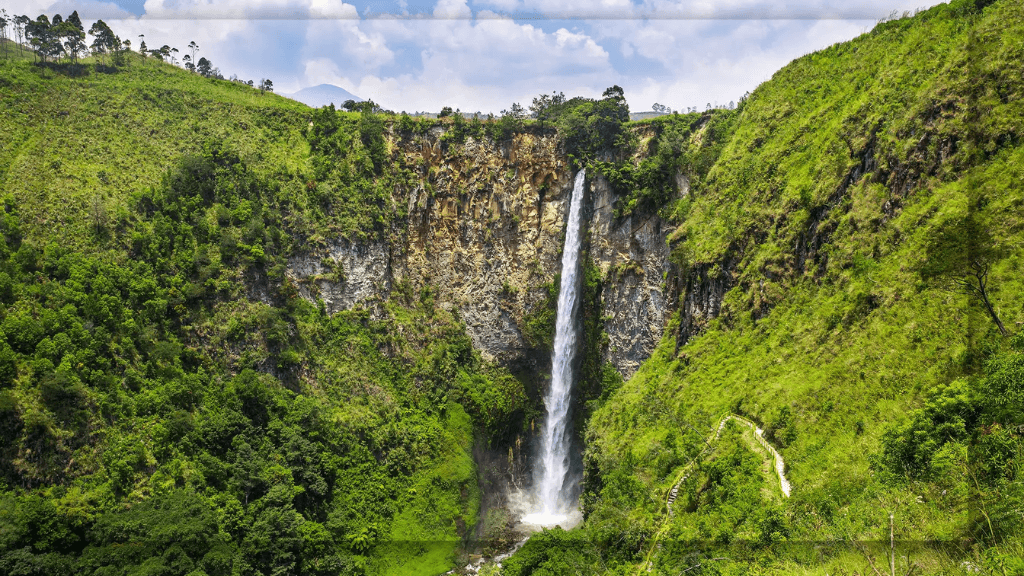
x: 332, y: 9
x: 699, y: 9
x: 323, y: 71
x: 352, y: 43
x: 470, y: 54
x: 713, y: 61
x: 250, y: 9
x: 30, y: 8
x: 518, y: 60
x: 87, y: 9
x: 216, y: 38
x: 474, y: 64
x: 500, y: 5
x: 564, y: 9
x: 452, y: 9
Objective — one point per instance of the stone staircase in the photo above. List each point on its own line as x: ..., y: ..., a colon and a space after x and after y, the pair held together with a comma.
x: 776, y: 459
x: 673, y: 494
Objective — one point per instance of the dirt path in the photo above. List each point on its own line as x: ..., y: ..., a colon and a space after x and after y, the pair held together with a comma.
x: 777, y: 462
x: 778, y: 465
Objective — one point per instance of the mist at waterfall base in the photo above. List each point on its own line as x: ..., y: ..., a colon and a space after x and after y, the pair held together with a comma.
x: 546, y: 506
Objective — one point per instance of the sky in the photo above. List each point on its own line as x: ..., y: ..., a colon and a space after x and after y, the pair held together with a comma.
x: 483, y: 55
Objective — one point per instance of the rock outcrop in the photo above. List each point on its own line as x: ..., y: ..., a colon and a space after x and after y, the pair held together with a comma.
x: 347, y: 274
x: 484, y: 230
x: 633, y: 256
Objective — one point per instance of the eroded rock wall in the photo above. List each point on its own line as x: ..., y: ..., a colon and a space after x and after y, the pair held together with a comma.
x: 485, y: 229
x: 347, y: 274
x: 633, y: 256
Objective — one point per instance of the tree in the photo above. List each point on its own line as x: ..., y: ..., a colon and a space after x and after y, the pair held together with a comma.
x: 510, y: 122
x: 142, y: 45
x: 75, y: 20
x: 590, y: 126
x: 204, y: 67
x: 266, y: 85
x: 53, y: 41
x: 960, y: 254
x: 162, y: 53
x: 661, y: 108
x: 614, y: 93
x: 105, y: 40
x: 445, y: 112
x: 544, y: 105
x: 58, y: 32
x: 188, y: 63
x: 517, y: 111
x: 4, y: 21
x: 38, y: 33
x: 20, y: 24
x: 73, y: 34
x: 193, y: 48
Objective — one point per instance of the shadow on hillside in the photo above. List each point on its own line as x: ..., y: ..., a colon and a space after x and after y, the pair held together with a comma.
x: 67, y: 69
x: 75, y: 69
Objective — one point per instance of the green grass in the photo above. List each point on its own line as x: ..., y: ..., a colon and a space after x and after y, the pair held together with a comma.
x: 82, y: 140
x: 830, y: 349
x: 106, y: 135
x: 167, y: 403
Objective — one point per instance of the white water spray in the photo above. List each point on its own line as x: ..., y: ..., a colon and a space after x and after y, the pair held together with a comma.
x: 550, y: 508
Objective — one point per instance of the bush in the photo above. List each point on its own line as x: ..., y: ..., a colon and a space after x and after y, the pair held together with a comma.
x: 949, y: 414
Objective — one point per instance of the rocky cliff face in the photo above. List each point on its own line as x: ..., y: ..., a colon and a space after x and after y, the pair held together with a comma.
x: 485, y: 229
x: 633, y: 256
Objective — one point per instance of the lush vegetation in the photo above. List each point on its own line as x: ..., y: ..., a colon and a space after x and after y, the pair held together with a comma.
x: 862, y: 211
x: 168, y: 404
x: 682, y: 146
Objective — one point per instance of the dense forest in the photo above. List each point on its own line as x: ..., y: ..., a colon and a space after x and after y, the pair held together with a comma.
x: 169, y: 405
x: 847, y: 260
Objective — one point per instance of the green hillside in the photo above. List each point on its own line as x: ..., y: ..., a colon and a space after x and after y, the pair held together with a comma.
x: 848, y: 259
x: 167, y: 404
x: 859, y: 196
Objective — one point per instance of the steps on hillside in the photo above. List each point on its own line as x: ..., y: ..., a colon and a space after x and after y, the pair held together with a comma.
x: 673, y: 494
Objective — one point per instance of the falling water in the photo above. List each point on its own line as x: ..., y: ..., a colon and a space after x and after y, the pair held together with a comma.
x: 550, y: 508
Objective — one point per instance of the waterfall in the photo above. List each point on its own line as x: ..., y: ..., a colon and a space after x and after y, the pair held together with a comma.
x: 553, y: 466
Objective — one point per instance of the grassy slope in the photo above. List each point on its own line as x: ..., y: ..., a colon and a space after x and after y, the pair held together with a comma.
x: 71, y: 139
x: 75, y: 141
x: 834, y: 352
x: 356, y: 455
x: 83, y: 149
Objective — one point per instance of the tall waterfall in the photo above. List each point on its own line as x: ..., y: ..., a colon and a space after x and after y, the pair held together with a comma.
x: 551, y: 509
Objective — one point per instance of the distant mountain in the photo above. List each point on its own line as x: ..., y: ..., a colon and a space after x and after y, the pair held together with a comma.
x: 634, y: 116
x: 322, y: 95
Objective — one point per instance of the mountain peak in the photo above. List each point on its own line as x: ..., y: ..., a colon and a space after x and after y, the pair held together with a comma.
x: 322, y: 95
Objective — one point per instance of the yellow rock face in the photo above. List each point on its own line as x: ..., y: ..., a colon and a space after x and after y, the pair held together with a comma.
x: 489, y: 236
x: 484, y: 229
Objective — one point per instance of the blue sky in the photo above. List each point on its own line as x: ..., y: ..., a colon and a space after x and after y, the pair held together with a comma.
x: 486, y: 54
